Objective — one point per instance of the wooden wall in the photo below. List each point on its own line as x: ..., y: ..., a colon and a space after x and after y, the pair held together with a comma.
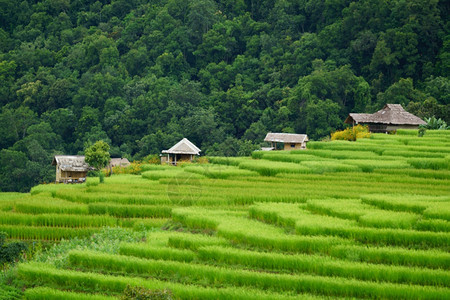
x: 294, y: 146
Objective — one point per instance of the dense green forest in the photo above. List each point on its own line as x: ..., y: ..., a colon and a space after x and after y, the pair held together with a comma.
x: 141, y: 75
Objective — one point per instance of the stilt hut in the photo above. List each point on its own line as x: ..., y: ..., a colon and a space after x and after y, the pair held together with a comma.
x: 70, y: 168
x: 184, y: 150
x: 291, y: 141
x: 391, y: 117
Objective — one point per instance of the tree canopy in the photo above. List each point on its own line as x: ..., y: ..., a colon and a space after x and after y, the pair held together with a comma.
x: 140, y: 75
x: 97, y: 155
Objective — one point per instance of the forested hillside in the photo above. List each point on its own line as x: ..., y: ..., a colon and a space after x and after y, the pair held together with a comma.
x: 143, y: 74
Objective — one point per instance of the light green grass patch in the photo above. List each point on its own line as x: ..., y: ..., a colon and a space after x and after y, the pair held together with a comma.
x: 271, y: 168
x: 219, y: 171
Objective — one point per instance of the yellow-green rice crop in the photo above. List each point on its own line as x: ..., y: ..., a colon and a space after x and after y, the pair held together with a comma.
x: 365, y: 219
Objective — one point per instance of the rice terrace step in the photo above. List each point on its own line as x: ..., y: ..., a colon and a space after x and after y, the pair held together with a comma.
x: 364, y: 219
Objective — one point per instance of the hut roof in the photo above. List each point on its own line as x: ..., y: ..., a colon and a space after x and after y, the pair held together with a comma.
x: 390, y: 114
x: 286, y: 138
x: 73, y: 163
x: 119, y: 162
x: 183, y: 147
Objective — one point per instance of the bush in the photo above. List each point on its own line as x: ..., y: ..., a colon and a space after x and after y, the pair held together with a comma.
x: 11, y: 251
x: 152, y: 159
x: 141, y: 293
x: 134, y: 168
x: 433, y: 123
x: 101, y: 177
x: 351, y: 134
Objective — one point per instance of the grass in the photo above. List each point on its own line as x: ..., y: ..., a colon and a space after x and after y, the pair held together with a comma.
x: 44, y: 293
x: 219, y: 171
x: 269, y: 168
x: 364, y: 219
x: 278, y: 282
x: 320, y: 265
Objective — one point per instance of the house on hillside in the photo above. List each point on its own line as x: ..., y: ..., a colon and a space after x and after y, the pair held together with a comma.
x: 291, y: 141
x: 70, y: 168
x: 391, y: 117
x: 184, y: 150
x: 119, y: 162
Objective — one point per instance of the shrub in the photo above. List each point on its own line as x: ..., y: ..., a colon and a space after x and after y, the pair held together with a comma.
x: 11, y: 251
x: 433, y: 123
x: 133, y: 168
x: 101, y: 176
x: 351, y: 134
x: 152, y: 159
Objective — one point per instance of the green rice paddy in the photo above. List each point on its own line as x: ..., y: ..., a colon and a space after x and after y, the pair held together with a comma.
x: 364, y: 219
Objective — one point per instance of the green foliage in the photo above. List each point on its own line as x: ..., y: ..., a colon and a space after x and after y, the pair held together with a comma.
x: 44, y: 293
x: 351, y: 134
x: 10, y: 252
x: 167, y: 253
x: 362, y: 219
x: 433, y: 123
x: 97, y: 155
x: 141, y: 293
x: 8, y: 292
x: 221, y: 73
x: 318, y: 265
x: 152, y: 159
x: 278, y: 282
x: 393, y: 256
x: 421, y: 132
x: 430, y: 163
x: 106, y: 240
x: 86, y: 280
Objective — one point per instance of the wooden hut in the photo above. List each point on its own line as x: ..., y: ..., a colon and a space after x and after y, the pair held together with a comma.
x: 391, y: 117
x: 291, y: 141
x: 184, y: 150
x: 119, y: 162
x: 70, y: 168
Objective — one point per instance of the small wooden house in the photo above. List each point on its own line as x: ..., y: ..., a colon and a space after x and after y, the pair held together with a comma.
x: 291, y: 141
x: 391, y: 117
x: 184, y: 150
x: 70, y: 168
x: 119, y: 162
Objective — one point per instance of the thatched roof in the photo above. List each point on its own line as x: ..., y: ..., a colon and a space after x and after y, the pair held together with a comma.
x: 72, y: 163
x: 390, y: 114
x: 183, y: 147
x: 292, y: 138
x: 122, y: 162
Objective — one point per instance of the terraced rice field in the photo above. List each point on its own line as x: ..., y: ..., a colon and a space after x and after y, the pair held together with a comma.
x: 365, y: 219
